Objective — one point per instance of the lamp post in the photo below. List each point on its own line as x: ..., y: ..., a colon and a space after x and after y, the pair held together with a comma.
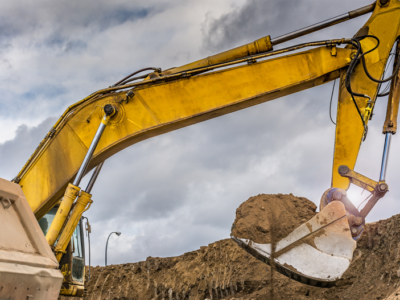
x: 117, y: 233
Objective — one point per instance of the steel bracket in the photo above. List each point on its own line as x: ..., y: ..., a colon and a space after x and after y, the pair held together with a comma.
x: 251, y: 61
x: 377, y: 189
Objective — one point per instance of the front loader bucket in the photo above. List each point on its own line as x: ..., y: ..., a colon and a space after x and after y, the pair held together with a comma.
x: 317, y: 252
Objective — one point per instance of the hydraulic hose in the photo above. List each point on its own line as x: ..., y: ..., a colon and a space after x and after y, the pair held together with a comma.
x: 360, y: 55
x: 134, y: 73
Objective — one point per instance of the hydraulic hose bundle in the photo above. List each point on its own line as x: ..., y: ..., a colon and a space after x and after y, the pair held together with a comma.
x: 360, y: 55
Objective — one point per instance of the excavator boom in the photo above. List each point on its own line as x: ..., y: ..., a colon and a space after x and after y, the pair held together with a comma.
x: 162, y: 105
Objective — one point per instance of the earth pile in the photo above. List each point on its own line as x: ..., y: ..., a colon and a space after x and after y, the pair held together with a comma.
x: 222, y: 270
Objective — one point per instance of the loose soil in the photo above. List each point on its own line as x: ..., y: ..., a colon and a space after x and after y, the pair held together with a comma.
x: 222, y: 270
x: 259, y: 215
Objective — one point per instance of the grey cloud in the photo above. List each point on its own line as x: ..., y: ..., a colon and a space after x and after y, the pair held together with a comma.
x: 75, y: 46
x: 22, y: 17
x: 51, y: 42
x: 5, y: 48
x: 14, y: 153
x: 258, y: 18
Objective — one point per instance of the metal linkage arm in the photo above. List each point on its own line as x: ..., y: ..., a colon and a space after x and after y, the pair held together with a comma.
x: 358, y: 179
x: 93, y: 179
x: 378, y: 189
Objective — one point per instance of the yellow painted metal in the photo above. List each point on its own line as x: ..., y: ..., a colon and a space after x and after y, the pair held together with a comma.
x: 62, y: 213
x: 361, y: 181
x: 68, y: 288
x: 79, y: 208
x: 258, y: 46
x: 384, y: 24
x: 72, y: 290
x: 157, y: 108
x: 393, y: 102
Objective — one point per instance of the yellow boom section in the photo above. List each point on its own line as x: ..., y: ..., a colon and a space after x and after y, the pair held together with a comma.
x: 157, y: 108
x: 384, y: 24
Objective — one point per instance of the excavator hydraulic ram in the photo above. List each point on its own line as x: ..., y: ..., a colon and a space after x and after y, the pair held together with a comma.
x: 73, y: 189
x: 80, y: 207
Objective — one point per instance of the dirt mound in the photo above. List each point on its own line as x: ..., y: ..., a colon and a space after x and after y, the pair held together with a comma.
x: 222, y: 270
x: 258, y: 215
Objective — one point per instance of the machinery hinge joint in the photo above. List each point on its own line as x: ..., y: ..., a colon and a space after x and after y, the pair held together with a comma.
x: 333, y: 50
x: 16, y: 179
x: 128, y: 95
x: 51, y: 133
x: 251, y: 61
x: 186, y: 74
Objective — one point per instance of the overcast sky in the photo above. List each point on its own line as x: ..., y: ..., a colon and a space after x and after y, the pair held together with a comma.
x: 176, y: 192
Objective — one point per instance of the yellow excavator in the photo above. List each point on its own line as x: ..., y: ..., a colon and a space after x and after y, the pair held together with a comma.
x: 41, y: 247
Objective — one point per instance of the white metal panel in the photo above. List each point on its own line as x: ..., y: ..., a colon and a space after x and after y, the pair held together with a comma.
x: 28, y: 267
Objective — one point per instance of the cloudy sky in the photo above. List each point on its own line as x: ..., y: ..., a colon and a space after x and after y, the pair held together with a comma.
x: 176, y: 192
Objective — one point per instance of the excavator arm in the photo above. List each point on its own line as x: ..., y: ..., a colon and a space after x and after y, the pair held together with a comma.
x: 162, y: 105
x: 350, y: 130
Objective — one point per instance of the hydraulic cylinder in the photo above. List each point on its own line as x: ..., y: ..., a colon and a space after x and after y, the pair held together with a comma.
x: 73, y: 189
x: 76, y: 214
x: 70, y: 195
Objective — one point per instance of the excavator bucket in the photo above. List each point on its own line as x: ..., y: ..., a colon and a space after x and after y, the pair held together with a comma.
x: 317, y: 252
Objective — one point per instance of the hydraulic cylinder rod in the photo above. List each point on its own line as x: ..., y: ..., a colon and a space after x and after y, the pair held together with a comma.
x: 109, y: 111
x: 266, y: 44
x: 381, y: 188
x: 390, y: 125
x: 94, y: 177
x: 73, y: 190
x: 389, y: 128
x: 88, y: 231
x: 324, y: 24
x: 385, y: 157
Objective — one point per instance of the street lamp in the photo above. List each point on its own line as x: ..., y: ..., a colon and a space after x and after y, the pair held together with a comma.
x: 117, y: 233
